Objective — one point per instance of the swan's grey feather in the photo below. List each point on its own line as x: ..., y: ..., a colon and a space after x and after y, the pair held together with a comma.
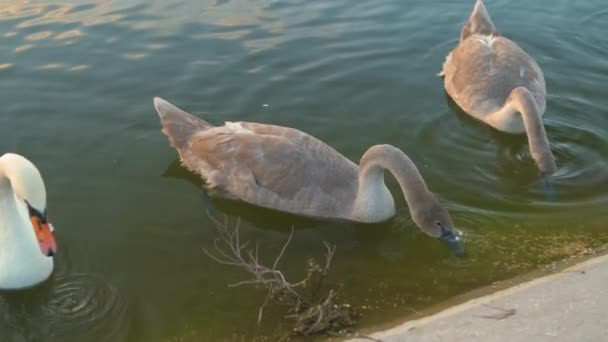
x: 276, y: 167
x: 285, y: 169
x: 494, y: 80
x: 270, y: 166
x: 481, y: 72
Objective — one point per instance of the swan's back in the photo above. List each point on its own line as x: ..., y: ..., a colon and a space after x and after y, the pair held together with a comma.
x: 481, y: 72
x: 270, y: 166
x: 484, y: 68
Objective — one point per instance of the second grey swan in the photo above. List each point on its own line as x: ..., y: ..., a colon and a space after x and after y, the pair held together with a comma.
x: 285, y: 169
x: 494, y: 80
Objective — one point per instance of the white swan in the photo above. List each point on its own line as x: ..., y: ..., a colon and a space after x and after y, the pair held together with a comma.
x: 494, y: 80
x: 288, y: 170
x: 27, y: 243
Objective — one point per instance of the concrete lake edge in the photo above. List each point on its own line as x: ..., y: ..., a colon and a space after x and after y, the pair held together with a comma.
x: 397, y: 330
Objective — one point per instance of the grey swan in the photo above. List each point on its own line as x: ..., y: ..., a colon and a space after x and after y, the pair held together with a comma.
x: 287, y: 170
x: 492, y: 79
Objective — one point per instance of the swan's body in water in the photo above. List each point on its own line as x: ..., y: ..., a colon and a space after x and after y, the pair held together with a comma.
x: 494, y: 80
x: 26, y: 239
x: 284, y: 169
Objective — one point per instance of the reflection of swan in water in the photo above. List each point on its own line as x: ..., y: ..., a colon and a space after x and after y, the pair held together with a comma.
x: 27, y: 243
x: 494, y: 80
x: 288, y: 170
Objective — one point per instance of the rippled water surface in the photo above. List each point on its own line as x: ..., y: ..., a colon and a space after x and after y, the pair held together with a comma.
x: 76, y: 84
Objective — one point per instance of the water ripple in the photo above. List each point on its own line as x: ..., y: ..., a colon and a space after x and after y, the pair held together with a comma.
x: 86, y: 305
x: 498, y: 171
x: 70, y: 305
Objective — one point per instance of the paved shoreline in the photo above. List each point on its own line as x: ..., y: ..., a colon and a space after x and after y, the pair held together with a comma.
x: 571, y: 305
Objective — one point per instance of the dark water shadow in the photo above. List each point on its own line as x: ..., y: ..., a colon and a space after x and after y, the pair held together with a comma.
x: 176, y: 170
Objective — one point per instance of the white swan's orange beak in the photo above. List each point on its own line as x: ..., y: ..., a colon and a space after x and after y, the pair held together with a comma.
x: 44, y: 235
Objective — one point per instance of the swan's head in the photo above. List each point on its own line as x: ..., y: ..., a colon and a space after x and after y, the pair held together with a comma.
x: 28, y: 187
x: 435, y: 221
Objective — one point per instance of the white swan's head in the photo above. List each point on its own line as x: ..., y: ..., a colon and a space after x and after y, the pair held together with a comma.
x: 30, y: 192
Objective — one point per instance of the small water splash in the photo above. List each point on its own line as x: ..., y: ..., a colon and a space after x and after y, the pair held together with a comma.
x: 471, y: 225
x: 459, y: 234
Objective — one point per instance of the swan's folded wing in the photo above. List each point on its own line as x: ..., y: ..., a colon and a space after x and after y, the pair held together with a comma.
x: 468, y: 74
x: 276, y: 167
x: 484, y: 70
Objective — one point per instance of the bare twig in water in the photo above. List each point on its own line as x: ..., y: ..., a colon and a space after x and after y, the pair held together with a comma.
x: 261, y: 309
x: 313, y: 313
x: 230, y: 251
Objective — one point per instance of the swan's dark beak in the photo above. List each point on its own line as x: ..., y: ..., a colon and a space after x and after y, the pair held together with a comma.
x: 453, y: 242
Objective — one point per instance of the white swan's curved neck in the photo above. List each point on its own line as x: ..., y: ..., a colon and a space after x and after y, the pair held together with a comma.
x: 5, y: 183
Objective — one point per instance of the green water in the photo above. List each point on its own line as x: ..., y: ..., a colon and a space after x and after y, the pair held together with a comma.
x: 76, y: 85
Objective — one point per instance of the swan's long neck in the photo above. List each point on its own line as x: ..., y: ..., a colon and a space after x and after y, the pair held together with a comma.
x: 374, y: 201
x: 13, y: 217
x: 522, y: 101
x: 21, y: 262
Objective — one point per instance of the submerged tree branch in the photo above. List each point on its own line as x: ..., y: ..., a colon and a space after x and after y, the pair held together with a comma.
x: 313, y: 313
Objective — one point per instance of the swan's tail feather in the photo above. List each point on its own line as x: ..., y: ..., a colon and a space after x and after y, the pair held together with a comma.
x: 479, y: 22
x: 178, y: 125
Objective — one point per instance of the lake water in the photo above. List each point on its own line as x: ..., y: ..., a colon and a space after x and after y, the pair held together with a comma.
x: 77, y: 80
